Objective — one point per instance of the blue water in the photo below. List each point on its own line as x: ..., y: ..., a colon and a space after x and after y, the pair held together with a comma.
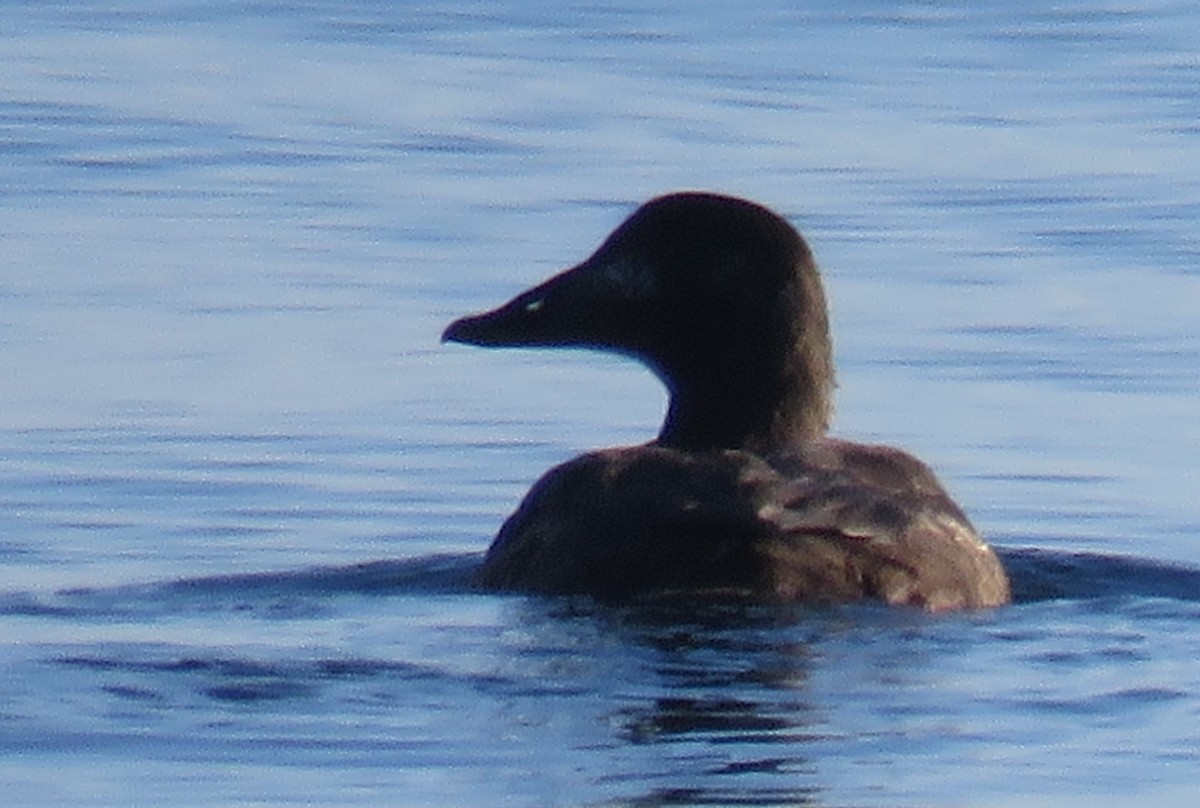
x: 243, y: 489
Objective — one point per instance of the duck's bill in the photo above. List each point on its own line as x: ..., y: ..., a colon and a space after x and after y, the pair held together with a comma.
x: 581, y: 307
x: 514, y: 323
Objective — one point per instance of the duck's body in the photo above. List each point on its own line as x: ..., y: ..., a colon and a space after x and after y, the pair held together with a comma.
x: 830, y: 521
x: 742, y: 491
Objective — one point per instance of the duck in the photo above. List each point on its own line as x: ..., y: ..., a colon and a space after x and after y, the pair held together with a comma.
x: 743, y: 492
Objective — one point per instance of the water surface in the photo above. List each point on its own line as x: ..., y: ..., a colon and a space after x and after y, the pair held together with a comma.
x: 243, y: 489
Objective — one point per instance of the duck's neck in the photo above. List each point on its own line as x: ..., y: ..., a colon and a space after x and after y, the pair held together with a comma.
x: 745, y: 408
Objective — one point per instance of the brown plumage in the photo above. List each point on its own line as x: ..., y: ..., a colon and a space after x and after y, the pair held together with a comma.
x: 742, y: 491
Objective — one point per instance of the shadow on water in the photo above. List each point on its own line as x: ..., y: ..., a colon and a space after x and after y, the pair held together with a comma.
x: 1037, y: 575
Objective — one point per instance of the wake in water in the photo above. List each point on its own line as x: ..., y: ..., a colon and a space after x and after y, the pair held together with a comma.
x: 1037, y: 575
x: 257, y: 591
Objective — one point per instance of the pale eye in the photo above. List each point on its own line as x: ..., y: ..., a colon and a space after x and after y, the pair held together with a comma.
x: 534, y: 305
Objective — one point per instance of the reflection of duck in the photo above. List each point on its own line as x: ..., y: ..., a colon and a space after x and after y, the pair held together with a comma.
x: 742, y: 490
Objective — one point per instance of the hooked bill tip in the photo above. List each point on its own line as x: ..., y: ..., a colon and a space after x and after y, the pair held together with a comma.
x: 457, y: 331
x: 488, y: 329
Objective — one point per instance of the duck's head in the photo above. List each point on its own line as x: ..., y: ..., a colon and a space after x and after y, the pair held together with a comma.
x: 720, y: 297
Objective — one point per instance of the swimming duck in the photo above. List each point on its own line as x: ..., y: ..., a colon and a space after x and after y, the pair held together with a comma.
x: 743, y: 491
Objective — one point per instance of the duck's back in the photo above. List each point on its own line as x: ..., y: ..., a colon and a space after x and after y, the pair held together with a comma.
x: 826, y: 521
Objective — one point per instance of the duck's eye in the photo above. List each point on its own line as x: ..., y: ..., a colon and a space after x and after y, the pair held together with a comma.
x: 631, y: 277
x: 534, y: 305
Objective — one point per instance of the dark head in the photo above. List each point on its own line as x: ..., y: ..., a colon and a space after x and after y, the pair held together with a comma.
x: 718, y: 296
